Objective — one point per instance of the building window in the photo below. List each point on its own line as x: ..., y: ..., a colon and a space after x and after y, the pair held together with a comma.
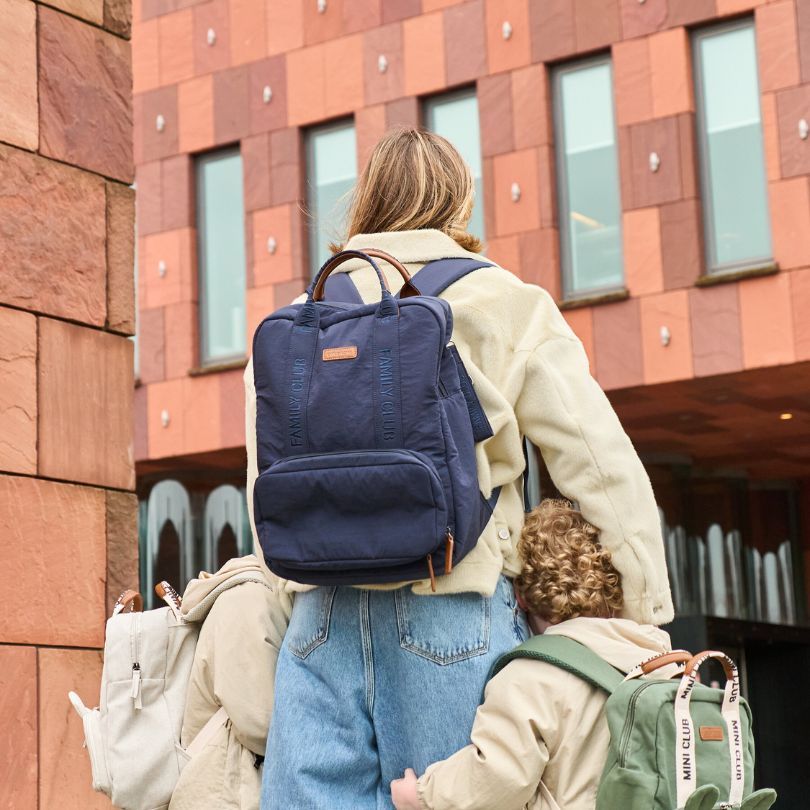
x: 455, y: 116
x: 221, y: 249
x: 331, y: 173
x: 731, y: 149
x: 588, y: 178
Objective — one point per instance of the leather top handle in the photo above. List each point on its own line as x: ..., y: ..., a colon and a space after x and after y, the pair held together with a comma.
x: 674, y: 657
x: 367, y: 255
x: 695, y: 662
x: 129, y: 599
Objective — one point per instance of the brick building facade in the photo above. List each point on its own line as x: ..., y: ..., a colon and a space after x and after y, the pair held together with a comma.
x: 689, y: 299
x: 67, y: 507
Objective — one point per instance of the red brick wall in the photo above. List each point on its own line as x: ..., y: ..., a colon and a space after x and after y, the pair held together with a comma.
x: 67, y: 512
x: 324, y: 65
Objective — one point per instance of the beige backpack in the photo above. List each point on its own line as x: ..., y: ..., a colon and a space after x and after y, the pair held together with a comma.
x: 133, y: 736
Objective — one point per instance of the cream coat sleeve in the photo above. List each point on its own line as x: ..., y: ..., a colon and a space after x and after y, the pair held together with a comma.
x: 592, y: 461
x: 504, y: 764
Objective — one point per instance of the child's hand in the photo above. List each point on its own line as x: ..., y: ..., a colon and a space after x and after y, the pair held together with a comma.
x: 403, y: 792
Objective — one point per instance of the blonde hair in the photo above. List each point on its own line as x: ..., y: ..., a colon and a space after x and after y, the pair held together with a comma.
x: 414, y: 180
x: 565, y: 573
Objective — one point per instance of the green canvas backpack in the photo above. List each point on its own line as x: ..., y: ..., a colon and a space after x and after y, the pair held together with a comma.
x: 674, y: 744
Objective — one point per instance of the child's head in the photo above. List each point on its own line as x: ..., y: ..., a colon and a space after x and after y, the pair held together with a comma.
x: 565, y: 572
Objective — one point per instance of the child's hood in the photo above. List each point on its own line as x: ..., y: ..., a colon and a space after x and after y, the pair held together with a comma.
x: 621, y: 642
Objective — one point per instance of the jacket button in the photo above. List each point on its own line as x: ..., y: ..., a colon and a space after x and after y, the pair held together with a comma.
x: 503, y: 534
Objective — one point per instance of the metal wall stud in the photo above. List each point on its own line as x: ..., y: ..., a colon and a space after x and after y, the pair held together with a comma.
x: 666, y: 336
x: 160, y: 123
x: 655, y: 162
x: 267, y: 94
x: 506, y: 30
x: 272, y: 245
x: 804, y: 129
x: 382, y: 63
x: 162, y: 268
x: 515, y: 192
x: 211, y: 36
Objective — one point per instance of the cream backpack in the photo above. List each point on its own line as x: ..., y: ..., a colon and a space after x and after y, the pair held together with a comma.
x: 133, y: 736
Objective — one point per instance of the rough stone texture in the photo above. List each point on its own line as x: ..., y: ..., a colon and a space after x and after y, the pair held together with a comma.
x: 231, y: 104
x: 92, y: 10
x: 465, y: 43
x: 385, y: 41
x: 495, y: 114
x: 122, y: 544
x: 505, y: 54
x: 232, y: 408
x: 792, y: 105
x: 120, y: 258
x: 150, y: 144
x: 423, y: 51
x: 177, y: 192
x: 85, y: 412
x: 53, y: 550
x: 118, y: 17
x: 767, y: 341
x: 18, y: 392
x: 617, y: 337
x: 85, y: 96
x: 151, y: 346
x: 51, y: 238
x: 552, y: 26
x: 179, y: 337
x: 18, y: 66
x: 18, y: 743
x: 272, y: 115
x: 64, y: 769
x: 715, y: 320
x: 672, y: 362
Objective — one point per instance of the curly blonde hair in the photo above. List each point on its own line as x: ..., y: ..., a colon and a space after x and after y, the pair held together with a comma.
x: 565, y: 573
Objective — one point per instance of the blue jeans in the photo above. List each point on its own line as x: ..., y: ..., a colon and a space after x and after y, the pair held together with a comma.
x: 372, y: 682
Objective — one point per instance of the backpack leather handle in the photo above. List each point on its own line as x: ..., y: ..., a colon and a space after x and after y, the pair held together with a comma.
x: 674, y: 657
x: 129, y: 599
x: 366, y: 254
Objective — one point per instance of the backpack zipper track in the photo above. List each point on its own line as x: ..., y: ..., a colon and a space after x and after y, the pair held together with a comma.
x: 624, y: 740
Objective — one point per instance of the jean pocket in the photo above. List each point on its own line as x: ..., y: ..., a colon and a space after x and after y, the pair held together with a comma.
x: 520, y: 625
x: 443, y: 629
x: 309, y: 622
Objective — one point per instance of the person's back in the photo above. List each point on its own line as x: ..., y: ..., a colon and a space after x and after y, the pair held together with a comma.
x: 357, y: 661
x: 540, y: 739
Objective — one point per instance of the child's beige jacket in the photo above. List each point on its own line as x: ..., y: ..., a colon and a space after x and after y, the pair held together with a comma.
x: 531, y: 374
x: 234, y: 668
x: 540, y: 722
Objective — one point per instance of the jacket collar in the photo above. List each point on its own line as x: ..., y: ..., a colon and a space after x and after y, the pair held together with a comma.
x: 410, y: 247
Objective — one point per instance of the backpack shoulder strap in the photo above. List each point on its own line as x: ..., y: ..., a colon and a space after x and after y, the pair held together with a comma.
x: 567, y: 654
x: 436, y: 276
x: 340, y: 288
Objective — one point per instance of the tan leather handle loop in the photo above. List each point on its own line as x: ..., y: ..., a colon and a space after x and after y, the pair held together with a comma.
x: 129, y: 599
x: 665, y: 659
x: 407, y: 288
x: 699, y: 659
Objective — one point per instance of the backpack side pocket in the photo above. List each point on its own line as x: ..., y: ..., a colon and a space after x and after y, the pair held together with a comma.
x: 94, y: 742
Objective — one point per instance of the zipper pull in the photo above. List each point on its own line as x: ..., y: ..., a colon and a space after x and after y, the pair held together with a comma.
x: 135, y: 692
x: 448, y: 552
x: 432, y: 573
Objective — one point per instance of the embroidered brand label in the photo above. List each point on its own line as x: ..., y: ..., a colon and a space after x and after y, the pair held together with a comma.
x: 387, y: 406
x: 712, y: 733
x: 299, y: 368
x: 340, y: 353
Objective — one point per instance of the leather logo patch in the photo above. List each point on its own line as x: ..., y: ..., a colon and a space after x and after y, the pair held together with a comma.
x: 711, y: 733
x: 340, y: 353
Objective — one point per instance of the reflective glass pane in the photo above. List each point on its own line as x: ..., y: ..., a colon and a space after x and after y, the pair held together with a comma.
x: 331, y: 173
x: 733, y: 157
x: 590, y: 207
x: 455, y: 117
x: 221, y: 235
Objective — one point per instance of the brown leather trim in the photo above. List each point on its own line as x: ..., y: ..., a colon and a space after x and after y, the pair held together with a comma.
x: 340, y: 353
x: 711, y: 733
x: 663, y: 660
x: 407, y: 288
x: 129, y: 599
x: 717, y: 655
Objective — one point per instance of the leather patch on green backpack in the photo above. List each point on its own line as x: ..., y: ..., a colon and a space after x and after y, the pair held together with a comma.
x: 711, y: 733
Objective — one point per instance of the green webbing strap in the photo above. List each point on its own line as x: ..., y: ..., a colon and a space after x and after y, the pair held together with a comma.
x: 566, y: 654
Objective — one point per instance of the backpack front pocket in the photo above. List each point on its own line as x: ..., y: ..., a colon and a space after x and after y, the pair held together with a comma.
x: 349, y: 511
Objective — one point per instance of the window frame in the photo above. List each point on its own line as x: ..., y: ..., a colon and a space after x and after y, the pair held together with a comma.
x: 309, y: 161
x: 710, y: 268
x: 426, y: 105
x: 205, y: 360
x: 569, y: 292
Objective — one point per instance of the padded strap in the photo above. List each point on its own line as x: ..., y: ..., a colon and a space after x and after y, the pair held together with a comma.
x: 436, y: 276
x: 567, y: 654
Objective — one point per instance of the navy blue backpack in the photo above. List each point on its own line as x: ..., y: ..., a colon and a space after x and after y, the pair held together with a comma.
x: 366, y: 424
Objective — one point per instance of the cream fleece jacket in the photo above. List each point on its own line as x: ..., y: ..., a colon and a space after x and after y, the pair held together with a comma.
x: 234, y: 667
x: 531, y: 375
x: 540, y: 722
